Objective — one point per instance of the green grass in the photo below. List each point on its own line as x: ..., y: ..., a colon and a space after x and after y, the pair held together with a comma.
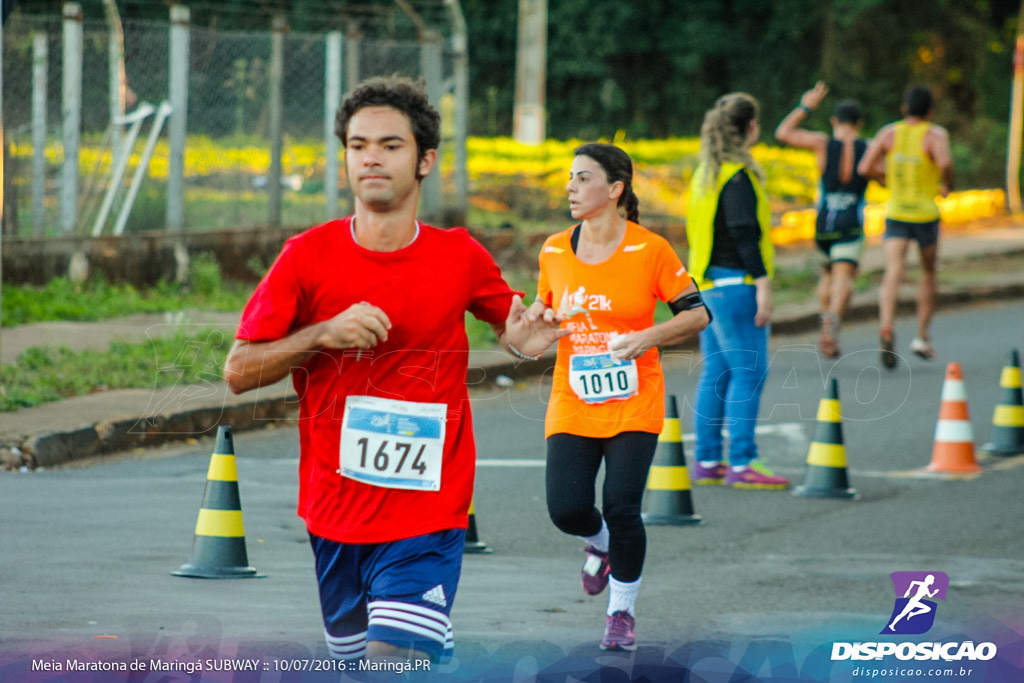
x: 45, y: 374
x: 100, y: 300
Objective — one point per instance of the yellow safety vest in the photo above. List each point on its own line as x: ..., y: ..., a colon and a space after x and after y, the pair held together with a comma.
x: 700, y: 222
x: 911, y: 175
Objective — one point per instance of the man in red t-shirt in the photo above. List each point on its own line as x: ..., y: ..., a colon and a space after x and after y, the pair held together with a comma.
x: 367, y: 314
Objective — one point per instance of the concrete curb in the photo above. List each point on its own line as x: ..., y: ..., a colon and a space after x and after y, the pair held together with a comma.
x: 61, y: 446
x: 54, y: 448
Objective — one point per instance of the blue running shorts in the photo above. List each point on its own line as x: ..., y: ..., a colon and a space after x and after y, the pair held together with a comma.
x: 400, y: 592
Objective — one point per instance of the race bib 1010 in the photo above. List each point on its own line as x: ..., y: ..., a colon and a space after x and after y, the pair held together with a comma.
x: 600, y: 377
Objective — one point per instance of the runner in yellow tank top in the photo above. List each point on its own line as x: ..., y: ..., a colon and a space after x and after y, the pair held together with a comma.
x: 911, y: 175
x: 912, y: 158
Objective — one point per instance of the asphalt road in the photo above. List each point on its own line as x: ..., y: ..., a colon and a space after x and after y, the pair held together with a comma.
x: 763, y: 587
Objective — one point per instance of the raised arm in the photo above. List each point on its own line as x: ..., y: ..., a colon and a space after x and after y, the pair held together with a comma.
x: 789, y: 131
x: 529, y: 332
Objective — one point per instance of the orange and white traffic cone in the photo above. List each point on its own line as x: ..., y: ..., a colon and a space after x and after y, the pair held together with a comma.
x: 954, y: 439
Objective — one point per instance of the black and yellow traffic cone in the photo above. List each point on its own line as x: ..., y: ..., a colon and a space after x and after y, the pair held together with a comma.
x: 218, y: 549
x: 473, y: 545
x: 668, y: 483
x: 1008, y: 418
x: 826, y: 459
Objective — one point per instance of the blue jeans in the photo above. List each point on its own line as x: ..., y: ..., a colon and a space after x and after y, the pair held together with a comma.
x: 733, y: 373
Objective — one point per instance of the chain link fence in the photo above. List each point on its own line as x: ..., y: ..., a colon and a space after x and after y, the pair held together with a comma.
x: 230, y: 141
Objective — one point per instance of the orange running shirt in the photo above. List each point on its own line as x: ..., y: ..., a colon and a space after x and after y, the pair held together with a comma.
x: 616, y: 295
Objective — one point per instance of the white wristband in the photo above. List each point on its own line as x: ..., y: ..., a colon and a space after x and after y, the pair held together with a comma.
x: 517, y: 353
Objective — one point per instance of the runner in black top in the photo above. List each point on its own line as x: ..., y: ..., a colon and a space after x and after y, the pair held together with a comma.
x: 841, y: 206
x: 839, y: 230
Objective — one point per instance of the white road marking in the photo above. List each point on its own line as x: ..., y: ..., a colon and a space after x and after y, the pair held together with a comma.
x: 790, y: 431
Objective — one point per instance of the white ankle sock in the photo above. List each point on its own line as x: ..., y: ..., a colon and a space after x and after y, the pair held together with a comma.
x: 600, y: 539
x: 622, y: 596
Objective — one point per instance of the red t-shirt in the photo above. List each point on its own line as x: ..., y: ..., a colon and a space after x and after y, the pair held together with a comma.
x: 425, y: 289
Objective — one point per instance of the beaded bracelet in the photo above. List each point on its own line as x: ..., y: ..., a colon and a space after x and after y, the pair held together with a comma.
x: 517, y: 353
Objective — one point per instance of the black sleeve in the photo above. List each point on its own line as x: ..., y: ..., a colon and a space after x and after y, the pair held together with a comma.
x: 739, y: 204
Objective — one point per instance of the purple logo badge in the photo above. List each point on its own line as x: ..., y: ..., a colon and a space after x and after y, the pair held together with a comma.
x: 916, y: 592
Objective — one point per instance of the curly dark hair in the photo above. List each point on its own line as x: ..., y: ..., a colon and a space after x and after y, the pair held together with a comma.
x: 403, y: 94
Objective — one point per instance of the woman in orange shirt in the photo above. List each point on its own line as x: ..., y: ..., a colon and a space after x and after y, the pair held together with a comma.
x: 605, y: 275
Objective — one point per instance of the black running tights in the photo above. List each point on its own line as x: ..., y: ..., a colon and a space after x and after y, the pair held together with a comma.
x: 572, y: 465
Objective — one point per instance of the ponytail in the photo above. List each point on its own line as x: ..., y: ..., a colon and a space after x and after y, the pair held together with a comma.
x: 631, y: 203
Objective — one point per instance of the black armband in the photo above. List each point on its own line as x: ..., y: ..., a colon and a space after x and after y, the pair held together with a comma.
x: 688, y: 302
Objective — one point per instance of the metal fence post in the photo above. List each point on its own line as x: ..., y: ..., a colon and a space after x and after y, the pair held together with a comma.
x: 115, y: 67
x: 430, y: 68
x: 461, y: 75
x: 40, y: 62
x: 177, y: 129
x: 352, y: 67
x: 332, y: 100
x: 3, y: 199
x: 528, y: 116
x: 280, y: 26
x: 352, y: 61
x: 71, y: 110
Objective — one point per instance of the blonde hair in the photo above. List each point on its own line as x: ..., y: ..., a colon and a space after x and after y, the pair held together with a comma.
x: 725, y: 136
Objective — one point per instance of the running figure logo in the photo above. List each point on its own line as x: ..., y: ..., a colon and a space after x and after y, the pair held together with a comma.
x: 914, y: 612
x: 573, y: 304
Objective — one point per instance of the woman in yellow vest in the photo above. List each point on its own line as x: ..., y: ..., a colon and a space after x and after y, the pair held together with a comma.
x: 731, y: 259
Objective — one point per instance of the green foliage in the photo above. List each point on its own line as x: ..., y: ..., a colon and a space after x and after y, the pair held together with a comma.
x: 480, y: 334
x: 680, y: 56
x: 204, y: 275
x: 99, y: 300
x: 44, y: 374
x: 62, y: 300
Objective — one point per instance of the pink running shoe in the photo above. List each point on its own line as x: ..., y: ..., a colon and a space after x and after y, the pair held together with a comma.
x: 619, y: 632
x: 595, y: 571
x: 756, y: 476
x: 708, y: 476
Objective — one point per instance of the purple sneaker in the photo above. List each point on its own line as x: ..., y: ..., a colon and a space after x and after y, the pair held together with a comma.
x: 619, y: 632
x: 756, y: 476
x: 595, y: 571
x: 705, y: 476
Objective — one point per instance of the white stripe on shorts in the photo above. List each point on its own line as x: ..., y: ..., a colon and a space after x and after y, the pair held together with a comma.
x: 346, y: 647
x: 415, y: 619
